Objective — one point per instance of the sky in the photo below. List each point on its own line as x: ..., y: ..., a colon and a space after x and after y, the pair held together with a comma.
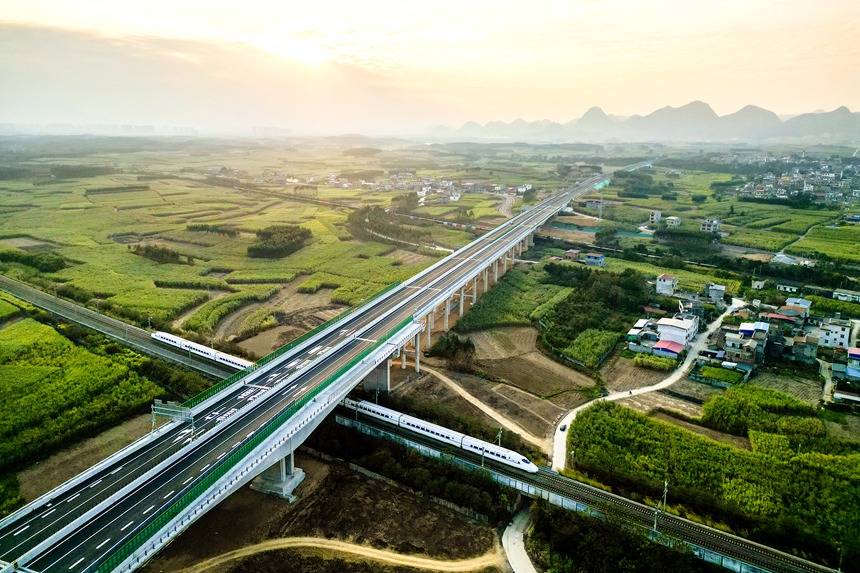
x: 333, y: 66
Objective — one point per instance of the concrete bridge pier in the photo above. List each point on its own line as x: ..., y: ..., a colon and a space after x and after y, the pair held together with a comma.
x: 474, y: 290
x: 281, y: 479
x: 495, y: 271
x: 380, y: 377
x: 462, y: 300
x: 486, y: 279
x: 447, y: 313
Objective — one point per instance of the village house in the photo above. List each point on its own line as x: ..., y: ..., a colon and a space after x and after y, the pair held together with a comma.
x: 667, y: 284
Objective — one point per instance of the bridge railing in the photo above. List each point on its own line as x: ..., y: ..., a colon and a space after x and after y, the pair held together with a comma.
x: 232, y: 379
x: 193, y: 491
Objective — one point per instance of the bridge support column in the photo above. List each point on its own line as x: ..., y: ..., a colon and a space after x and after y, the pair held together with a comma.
x: 486, y: 279
x: 447, y: 312
x: 403, y: 357
x: 462, y: 300
x: 418, y: 352
x: 431, y: 323
x: 530, y: 240
x: 379, y: 378
x: 474, y: 290
x: 505, y: 263
x: 281, y: 479
x: 495, y: 271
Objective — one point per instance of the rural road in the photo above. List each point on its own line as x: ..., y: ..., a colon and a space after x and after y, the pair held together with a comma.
x: 559, y: 450
x: 515, y: 548
x: 507, y: 204
x: 490, y: 559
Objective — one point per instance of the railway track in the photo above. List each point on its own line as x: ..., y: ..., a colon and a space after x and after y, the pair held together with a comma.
x: 637, y: 513
x: 138, y: 338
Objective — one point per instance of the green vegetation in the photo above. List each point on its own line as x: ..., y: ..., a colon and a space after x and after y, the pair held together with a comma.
x: 722, y: 374
x: 800, y: 499
x: 591, y: 346
x: 832, y: 305
x: 207, y: 317
x: 278, y: 241
x: 516, y: 300
x: 43, y: 262
x: 158, y: 254
x: 565, y: 541
x: 655, y: 362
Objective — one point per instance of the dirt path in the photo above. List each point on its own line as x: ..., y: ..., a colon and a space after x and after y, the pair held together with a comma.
x: 506, y: 422
x: 490, y: 559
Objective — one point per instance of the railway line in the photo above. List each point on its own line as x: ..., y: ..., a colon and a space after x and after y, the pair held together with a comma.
x: 634, y: 512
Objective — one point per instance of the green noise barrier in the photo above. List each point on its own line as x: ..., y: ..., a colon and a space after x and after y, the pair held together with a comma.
x: 162, y: 517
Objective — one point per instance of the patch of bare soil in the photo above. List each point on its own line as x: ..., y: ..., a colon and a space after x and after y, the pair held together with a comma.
x: 43, y: 476
x: 578, y: 219
x: 575, y: 236
x: 511, y: 355
x: 535, y: 415
x: 732, y: 440
x: 762, y: 257
x: 648, y: 403
x: 850, y: 430
x: 695, y: 391
x: 620, y: 374
x: 427, y: 388
x: 538, y: 375
x: 804, y: 389
x: 503, y: 342
x: 334, y: 503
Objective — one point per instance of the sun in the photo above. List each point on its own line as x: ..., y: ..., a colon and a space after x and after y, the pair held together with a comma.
x: 289, y: 48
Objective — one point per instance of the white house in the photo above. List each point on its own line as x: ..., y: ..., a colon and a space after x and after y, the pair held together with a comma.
x: 680, y: 330
x: 673, y: 221
x: 847, y: 295
x: 667, y: 284
x: 710, y: 226
x: 835, y: 332
x: 655, y: 216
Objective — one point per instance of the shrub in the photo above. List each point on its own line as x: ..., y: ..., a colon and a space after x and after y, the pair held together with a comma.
x: 654, y: 362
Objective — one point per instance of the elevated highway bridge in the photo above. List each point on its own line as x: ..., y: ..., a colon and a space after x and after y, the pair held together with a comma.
x: 117, y: 514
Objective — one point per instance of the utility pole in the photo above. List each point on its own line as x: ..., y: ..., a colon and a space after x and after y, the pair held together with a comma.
x: 499, y: 436
x: 839, y: 569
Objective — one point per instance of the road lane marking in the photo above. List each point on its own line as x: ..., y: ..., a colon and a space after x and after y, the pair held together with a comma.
x: 73, y: 497
x: 76, y: 563
x: 22, y: 530
x: 222, y: 455
x: 204, y: 467
x: 151, y: 507
x: 126, y: 526
x: 50, y: 512
x: 96, y: 483
x: 100, y: 545
x: 169, y: 494
x: 188, y: 480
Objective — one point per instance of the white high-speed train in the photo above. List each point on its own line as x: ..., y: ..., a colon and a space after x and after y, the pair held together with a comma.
x: 462, y: 441
x: 209, y: 353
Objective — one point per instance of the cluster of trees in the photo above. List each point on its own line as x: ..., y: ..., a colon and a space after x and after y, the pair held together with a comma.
x: 219, y: 229
x: 803, y: 502
x: 405, y: 203
x: 116, y: 189
x: 159, y: 254
x: 80, y: 171
x: 800, y: 201
x: 278, y: 241
x: 599, y: 300
x: 308, y: 191
x: 640, y: 185
x: 565, y: 541
x: 42, y: 262
x: 373, y: 223
x: 458, y: 350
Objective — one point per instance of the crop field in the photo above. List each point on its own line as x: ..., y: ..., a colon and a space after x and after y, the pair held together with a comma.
x: 52, y: 390
x: 837, y: 243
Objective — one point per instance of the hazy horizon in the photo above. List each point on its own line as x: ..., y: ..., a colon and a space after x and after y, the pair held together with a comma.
x: 389, y: 68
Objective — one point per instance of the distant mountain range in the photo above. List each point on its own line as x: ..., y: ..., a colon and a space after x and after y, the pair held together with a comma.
x: 695, y: 121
